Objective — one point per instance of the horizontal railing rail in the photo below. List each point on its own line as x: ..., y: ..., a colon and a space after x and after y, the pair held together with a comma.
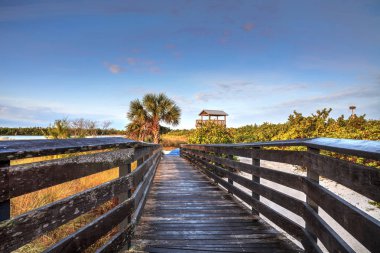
x: 217, y: 162
x: 129, y: 190
x: 200, y: 122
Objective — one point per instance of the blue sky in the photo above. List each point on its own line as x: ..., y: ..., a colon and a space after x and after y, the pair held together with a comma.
x: 257, y: 60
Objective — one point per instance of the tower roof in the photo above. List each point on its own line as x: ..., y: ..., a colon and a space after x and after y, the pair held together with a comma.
x: 212, y: 113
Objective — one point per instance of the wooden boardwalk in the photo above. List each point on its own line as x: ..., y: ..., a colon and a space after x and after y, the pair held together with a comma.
x: 186, y: 212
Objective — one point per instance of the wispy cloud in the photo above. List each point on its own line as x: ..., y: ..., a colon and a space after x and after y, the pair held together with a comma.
x: 28, y: 112
x: 238, y: 89
x: 249, y: 26
x: 134, y: 64
x: 36, y: 115
x: 114, y: 68
x: 351, y: 94
x: 143, y: 65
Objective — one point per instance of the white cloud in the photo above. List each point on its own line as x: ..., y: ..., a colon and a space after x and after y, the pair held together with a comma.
x: 134, y: 64
x: 114, y: 68
x: 239, y: 89
x: 249, y: 26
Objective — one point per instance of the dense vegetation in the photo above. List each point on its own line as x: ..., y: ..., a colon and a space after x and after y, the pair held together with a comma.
x: 319, y: 124
x: 211, y: 133
x: 22, y: 130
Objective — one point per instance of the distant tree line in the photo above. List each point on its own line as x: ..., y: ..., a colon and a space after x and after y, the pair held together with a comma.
x: 65, y: 128
x: 22, y: 130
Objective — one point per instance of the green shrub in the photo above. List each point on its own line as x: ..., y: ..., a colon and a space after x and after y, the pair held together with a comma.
x: 210, y: 133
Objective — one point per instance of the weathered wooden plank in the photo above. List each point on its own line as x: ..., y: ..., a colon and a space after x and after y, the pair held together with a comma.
x: 287, y: 179
x: 35, y: 176
x: 173, y: 214
x: 286, y: 201
x: 24, y: 228
x: 215, y: 248
x: 362, y: 179
x: 5, y: 204
x: 10, y: 150
x: 142, y: 194
x: 261, y: 244
x: 340, y: 210
x: 330, y: 239
x: 213, y: 220
x: 363, y: 229
x: 139, y: 192
x: 86, y: 236
x: 283, y: 222
x: 362, y: 148
x: 178, y: 236
x: 118, y: 241
x: 297, y: 230
x: 141, y: 170
x: 244, y: 225
x: 282, y: 156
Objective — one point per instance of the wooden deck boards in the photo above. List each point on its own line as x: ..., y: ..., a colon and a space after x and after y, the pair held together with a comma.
x: 185, y: 212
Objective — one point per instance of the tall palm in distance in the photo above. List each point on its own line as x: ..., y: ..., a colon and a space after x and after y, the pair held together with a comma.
x: 146, y: 115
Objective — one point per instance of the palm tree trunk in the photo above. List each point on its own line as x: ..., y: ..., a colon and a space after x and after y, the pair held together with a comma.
x: 156, y: 131
x: 156, y: 138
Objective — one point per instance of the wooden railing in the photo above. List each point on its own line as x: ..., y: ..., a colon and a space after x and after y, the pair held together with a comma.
x: 217, y: 162
x: 200, y: 122
x: 130, y: 190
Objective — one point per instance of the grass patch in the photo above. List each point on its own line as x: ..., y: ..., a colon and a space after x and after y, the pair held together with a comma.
x: 33, y: 200
x: 168, y: 140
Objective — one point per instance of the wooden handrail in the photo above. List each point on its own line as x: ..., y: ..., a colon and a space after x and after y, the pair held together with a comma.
x: 10, y: 150
x: 362, y: 148
x: 214, y: 161
x: 112, y: 152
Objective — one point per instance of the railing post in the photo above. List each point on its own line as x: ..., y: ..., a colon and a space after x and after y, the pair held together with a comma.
x: 256, y: 179
x: 124, y: 170
x: 140, y: 161
x: 146, y: 157
x: 5, y: 206
x: 230, y: 181
x: 313, y: 176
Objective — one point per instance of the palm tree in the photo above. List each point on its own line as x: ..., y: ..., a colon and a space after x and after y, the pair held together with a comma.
x: 139, y: 130
x: 150, y: 112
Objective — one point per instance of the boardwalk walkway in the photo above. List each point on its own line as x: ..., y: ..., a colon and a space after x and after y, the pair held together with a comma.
x: 185, y: 212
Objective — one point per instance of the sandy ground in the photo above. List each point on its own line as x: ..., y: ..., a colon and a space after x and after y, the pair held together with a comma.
x: 350, y: 196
